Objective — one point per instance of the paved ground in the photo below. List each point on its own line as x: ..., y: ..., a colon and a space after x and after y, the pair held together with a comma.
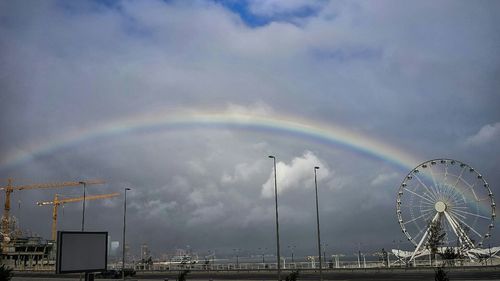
x: 463, y: 274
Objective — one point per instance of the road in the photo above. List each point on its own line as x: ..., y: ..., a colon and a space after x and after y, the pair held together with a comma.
x: 463, y: 274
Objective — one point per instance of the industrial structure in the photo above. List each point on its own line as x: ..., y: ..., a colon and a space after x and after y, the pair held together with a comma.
x: 21, y: 251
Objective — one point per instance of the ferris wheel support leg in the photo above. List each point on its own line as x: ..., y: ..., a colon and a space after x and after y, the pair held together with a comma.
x: 453, y: 226
x: 423, y: 238
x: 459, y: 231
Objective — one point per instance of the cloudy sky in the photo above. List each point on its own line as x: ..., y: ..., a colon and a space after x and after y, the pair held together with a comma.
x: 183, y: 101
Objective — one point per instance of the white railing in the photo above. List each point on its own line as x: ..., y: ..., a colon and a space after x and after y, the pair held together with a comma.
x: 309, y: 265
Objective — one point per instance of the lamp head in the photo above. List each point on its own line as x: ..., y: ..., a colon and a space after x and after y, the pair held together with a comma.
x: 271, y: 156
x: 315, y: 168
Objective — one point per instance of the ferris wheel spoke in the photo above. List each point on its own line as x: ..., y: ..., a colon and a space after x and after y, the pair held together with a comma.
x: 431, y: 193
x: 420, y: 232
x: 424, y: 198
x: 429, y: 202
x: 450, y: 192
x: 468, y: 226
x: 435, y: 186
x: 457, y: 214
x: 459, y: 231
x: 460, y: 176
x: 457, y: 198
x: 460, y: 207
x: 426, y: 206
x: 475, y: 195
x: 472, y: 214
x: 466, y: 183
x: 417, y: 218
x: 445, y: 187
x: 427, y: 212
x: 433, y: 179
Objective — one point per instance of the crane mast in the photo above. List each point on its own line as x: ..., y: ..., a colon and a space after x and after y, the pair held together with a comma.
x: 58, y: 202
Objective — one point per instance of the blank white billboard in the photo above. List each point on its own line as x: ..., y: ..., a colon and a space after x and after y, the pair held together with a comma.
x: 81, y: 251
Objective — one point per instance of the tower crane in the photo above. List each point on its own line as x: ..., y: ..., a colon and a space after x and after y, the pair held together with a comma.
x: 10, y: 188
x: 58, y: 202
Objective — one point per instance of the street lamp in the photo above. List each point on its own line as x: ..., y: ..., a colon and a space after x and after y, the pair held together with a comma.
x: 83, y: 212
x: 277, y: 224
x: 237, y: 258
x: 317, y: 220
x: 292, y: 247
x: 124, y: 226
x: 263, y: 253
x: 359, y: 255
x: 325, y: 246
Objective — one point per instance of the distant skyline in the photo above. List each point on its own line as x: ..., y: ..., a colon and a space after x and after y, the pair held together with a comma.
x: 183, y: 101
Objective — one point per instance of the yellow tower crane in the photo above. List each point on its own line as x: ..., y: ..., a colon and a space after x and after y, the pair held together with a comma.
x: 10, y: 188
x: 58, y: 202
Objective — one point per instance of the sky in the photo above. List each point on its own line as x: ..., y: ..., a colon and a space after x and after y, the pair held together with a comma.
x: 183, y: 102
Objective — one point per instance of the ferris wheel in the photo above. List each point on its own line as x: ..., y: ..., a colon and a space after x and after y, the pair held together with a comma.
x: 450, y: 193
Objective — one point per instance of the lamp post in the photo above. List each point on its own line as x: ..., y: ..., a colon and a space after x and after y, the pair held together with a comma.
x: 124, y: 227
x: 83, y: 212
x: 359, y: 255
x: 263, y: 253
x: 277, y: 224
x: 317, y: 220
x: 237, y: 251
x: 325, y: 246
x: 292, y: 247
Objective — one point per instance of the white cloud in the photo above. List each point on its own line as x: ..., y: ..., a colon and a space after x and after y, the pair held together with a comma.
x: 159, y: 208
x: 383, y: 178
x: 243, y: 172
x: 298, y: 174
x: 486, y: 134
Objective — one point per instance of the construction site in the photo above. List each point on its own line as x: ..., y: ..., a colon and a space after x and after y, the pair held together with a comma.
x: 25, y: 252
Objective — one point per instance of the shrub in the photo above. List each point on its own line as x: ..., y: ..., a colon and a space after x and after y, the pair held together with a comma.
x: 5, y: 273
x: 441, y: 275
x: 182, y: 275
x: 292, y: 276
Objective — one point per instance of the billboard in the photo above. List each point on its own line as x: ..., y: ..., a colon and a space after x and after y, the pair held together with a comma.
x: 81, y: 251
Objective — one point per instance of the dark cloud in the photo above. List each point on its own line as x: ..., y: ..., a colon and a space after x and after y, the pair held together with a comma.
x: 418, y: 77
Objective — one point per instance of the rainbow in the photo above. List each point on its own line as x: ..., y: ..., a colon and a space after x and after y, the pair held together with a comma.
x: 329, y: 135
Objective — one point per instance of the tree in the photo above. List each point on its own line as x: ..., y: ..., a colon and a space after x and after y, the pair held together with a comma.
x: 435, y: 237
x: 450, y: 255
x: 5, y: 273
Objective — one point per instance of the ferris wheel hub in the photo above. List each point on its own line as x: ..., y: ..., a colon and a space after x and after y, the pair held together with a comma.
x: 440, y: 206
